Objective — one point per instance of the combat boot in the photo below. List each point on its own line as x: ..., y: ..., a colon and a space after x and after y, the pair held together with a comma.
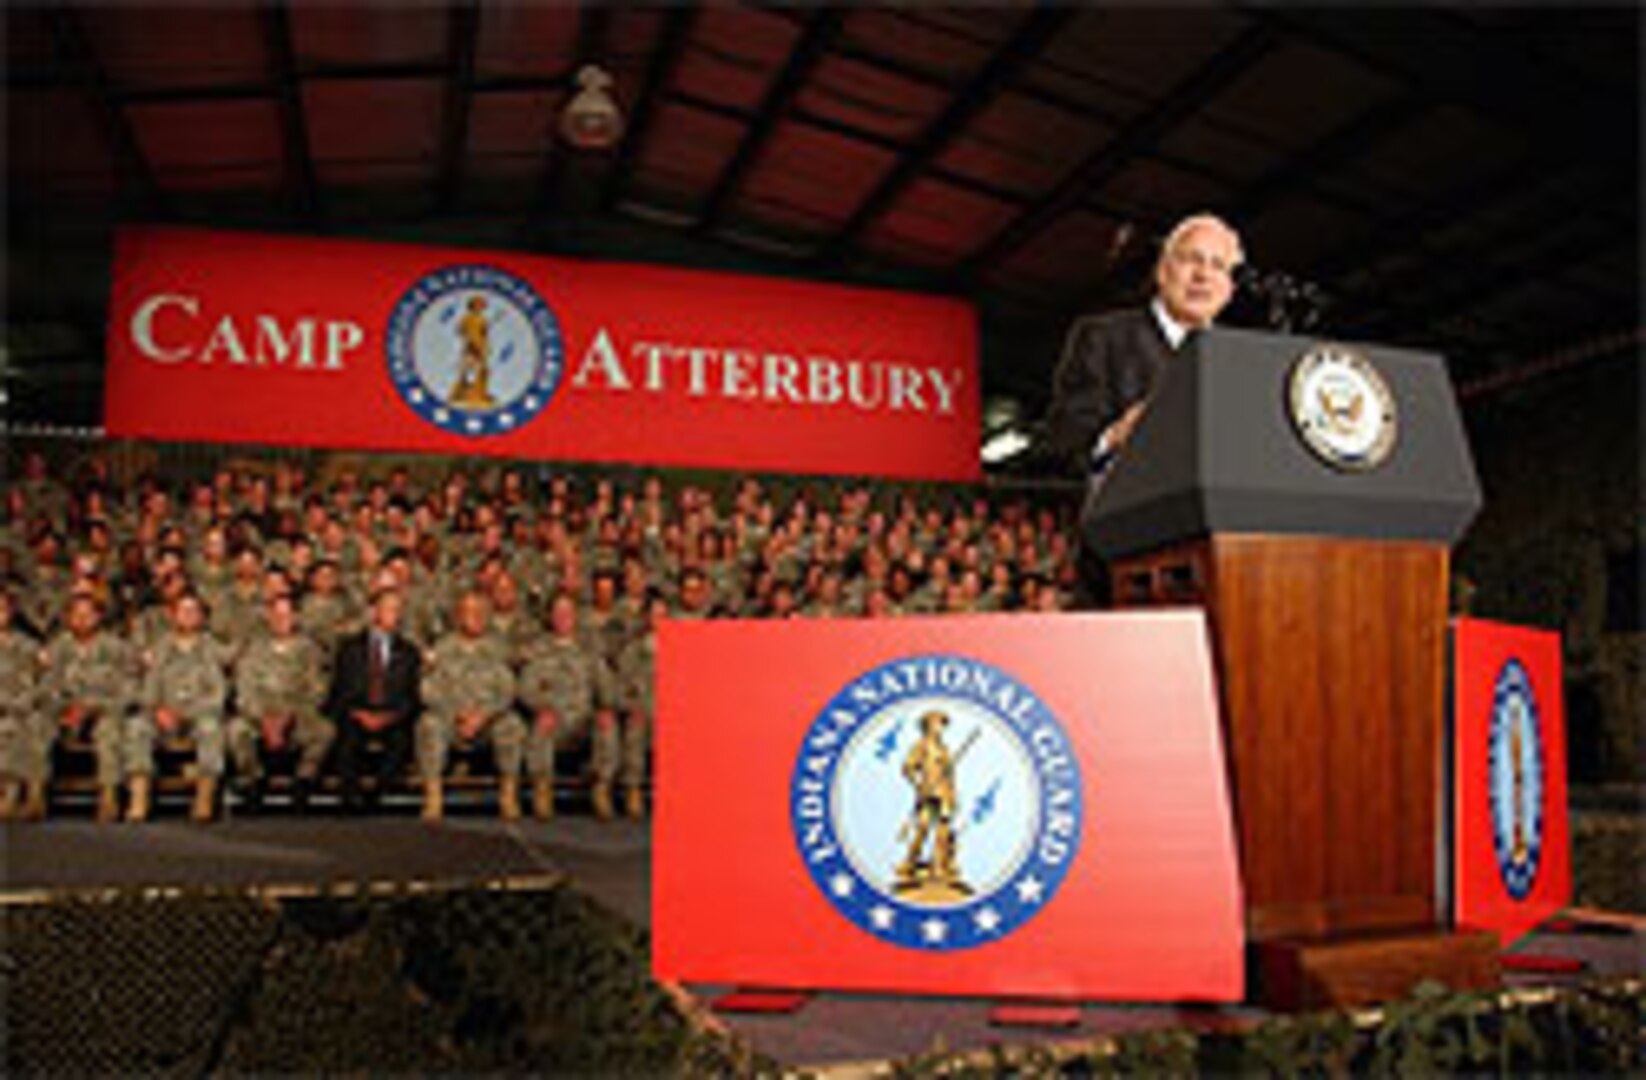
x: 543, y: 799
x: 141, y: 788
x: 508, y: 798
x: 434, y: 800
x: 634, y: 802
x: 205, y: 799
x: 34, y: 801
x: 8, y: 799
x: 602, y: 800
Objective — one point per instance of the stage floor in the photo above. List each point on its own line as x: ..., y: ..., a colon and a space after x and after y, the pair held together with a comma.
x: 611, y: 863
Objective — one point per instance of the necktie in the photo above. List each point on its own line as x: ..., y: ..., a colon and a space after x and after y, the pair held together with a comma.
x: 376, y: 667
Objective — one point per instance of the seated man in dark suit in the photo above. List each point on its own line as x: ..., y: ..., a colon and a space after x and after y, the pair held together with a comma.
x: 374, y: 696
x: 1111, y: 363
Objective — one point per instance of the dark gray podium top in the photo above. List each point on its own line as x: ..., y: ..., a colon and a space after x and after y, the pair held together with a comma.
x: 1219, y: 452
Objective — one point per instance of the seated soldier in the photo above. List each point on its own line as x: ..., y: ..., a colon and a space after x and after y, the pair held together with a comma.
x: 90, y: 685
x: 24, y: 746
x: 326, y: 612
x: 636, y: 698
x: 278, y: 684
x: 468, y: 696
x: 182, y: 698
x: 565, y: 685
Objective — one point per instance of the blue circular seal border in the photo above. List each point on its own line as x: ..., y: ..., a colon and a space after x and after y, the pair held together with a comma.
x: 548, y: 364
x: 1513, y: 682
x: 985, y: 919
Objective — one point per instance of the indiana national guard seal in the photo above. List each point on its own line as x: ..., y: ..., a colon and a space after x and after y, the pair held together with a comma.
x: 936, y: 803
x: 1515, y: 779
x: 474, y: 350
x: 1342, y: 408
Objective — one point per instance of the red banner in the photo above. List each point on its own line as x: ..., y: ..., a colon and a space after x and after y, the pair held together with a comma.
x: 236, y: 337
x: 988, y: 805
x: 1513, y: 863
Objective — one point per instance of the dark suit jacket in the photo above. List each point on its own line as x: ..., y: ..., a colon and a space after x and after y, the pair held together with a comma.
x: 351, y: 679
x: 1109, y: 363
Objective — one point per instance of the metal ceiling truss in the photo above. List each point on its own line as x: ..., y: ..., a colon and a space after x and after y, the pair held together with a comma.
x: 822, y: 27
x: 678, y: 24
x: 462, y: 44
x: 302, y: 186
x: 1137, y: 139
x: 1033, y: 35
x: 139, y: 191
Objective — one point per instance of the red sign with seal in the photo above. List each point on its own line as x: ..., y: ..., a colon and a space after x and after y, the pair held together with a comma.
x: 1024, y: 805
x: 277, y: 340
x: 1513, y: 860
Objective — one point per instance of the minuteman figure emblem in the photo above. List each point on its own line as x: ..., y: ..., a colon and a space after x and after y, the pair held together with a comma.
x: 928, y: 872
x: 936, y: 802
x: 472, y: 390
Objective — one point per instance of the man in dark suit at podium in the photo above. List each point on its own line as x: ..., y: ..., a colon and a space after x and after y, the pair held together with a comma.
x: 1111, y: 362
x: 374, y: 698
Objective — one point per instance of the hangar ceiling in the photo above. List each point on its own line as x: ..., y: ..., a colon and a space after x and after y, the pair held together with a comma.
x: 1450, y: 176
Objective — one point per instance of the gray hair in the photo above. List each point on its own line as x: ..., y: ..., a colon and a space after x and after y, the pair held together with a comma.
x: 1195, y: 221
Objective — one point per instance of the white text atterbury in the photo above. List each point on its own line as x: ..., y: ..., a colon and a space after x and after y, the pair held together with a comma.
x: 749, y: 375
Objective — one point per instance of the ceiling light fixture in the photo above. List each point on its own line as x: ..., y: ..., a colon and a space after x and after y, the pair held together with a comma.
x: 592, y: 120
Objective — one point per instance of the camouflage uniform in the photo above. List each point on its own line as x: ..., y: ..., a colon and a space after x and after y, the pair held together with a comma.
x: 187, y: 678
x: 237, y: 617
x: 562, y: 676
x: 925, y: 600
x: 636, y: 699
x: 630, y: 616
x: 279, y: 677
x: 467, y: 675
x: 149, y: 627
x: 530, y: 567
x: 604, y: 559
x: 989, y: 601
x: 326, y: 619
x: 212, y: 581
x: 25, y: 735
x: 726, y: 586
x: 426, y: 608
x: 602, y: 633
x: 45, y: 598
x: 515, y: 630
x: 101, y: 675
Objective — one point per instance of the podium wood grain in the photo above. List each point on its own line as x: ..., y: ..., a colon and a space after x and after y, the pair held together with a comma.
x: 1331, y: 661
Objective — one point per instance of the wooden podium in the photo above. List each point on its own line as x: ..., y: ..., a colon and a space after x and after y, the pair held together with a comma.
x: 1323, y: 568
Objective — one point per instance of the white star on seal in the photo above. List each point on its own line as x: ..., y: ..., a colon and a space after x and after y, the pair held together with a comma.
x: 881, y: 916
x: 987, y: 920
x: 505, y: 420
x: 840, y: 885
x: 475, y: 425
x: 417, y: 396
x: 441, y: 415
x: 934, y: 930
x: 1029, y: 890
x: 531, y: 403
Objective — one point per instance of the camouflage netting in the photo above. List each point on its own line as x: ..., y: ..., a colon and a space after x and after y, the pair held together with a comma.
x: 1592, y: 1030
x: 545, y: 981
x: 1608, y: 852
x: 127, y: 984
x: 471, y: 981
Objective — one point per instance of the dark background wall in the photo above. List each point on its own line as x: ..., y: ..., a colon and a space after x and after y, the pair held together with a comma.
x: 1559, y: 543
